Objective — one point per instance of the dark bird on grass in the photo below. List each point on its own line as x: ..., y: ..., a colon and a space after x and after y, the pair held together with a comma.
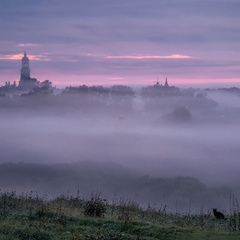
x: 218, y: 214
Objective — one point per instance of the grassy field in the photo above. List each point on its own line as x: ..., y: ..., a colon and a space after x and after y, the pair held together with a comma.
x: 30, y: 217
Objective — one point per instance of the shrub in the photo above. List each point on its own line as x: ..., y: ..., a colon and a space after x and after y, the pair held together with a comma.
x: 95, y: 207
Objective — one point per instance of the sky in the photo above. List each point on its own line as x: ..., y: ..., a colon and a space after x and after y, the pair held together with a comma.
x: 130, y: 42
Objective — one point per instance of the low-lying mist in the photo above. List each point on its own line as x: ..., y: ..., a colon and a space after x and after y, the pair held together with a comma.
x: 164, y: 153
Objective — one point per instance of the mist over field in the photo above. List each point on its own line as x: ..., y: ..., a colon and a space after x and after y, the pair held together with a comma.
x: 166, y: 151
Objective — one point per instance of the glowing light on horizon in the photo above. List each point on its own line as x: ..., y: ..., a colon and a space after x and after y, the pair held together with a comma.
x: 46, y: 57
x: 204, y: 81
x: 20, y: 56
x: 27, y: 45
x: 172, y: 56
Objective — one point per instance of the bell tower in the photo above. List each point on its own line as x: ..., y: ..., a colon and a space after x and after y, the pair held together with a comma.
x: 26, y: 82
x: 25, y: 70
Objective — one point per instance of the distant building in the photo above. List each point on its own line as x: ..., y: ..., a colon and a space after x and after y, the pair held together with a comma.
x: 166, y: 83
x: 25, y: 70
x: 159, y: 90
x: 9, y: 87
x: 26, y: 82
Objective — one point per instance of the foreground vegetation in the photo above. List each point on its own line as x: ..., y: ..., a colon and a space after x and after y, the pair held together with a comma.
x: 111, y: 178
x: 71, y: 217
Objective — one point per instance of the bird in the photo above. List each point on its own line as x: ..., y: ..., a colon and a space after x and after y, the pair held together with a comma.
x: 218, y: 214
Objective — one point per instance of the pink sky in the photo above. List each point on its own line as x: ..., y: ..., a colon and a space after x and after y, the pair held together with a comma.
x: 122, y: 42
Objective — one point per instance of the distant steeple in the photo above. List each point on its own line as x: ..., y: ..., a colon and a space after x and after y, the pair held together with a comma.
x: 25, y: 50
x: 25, y: 70
x: 26, y: 82
x: 166, y: 83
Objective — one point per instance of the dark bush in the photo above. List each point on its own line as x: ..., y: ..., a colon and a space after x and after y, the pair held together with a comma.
x: 95, y: 207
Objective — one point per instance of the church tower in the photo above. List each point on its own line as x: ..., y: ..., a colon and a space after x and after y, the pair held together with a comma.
x: 26, y: 82
x: 25, y: 70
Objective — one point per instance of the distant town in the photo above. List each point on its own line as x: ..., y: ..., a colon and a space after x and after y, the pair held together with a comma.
x: 170, y: 102
x: 28, y: 84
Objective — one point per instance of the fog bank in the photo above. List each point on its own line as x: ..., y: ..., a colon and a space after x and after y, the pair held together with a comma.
x: 189, y: 134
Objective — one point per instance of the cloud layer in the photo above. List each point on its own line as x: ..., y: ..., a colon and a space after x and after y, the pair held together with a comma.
x: 92, y: 41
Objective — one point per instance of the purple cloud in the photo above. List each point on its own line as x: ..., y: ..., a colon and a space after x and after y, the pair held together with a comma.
x: 75, y: 36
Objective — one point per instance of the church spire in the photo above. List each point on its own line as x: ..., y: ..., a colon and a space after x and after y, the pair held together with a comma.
x: 25, y: 70
x: 25, y: 51
x: 26, y: 82
x: 166, y: 83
